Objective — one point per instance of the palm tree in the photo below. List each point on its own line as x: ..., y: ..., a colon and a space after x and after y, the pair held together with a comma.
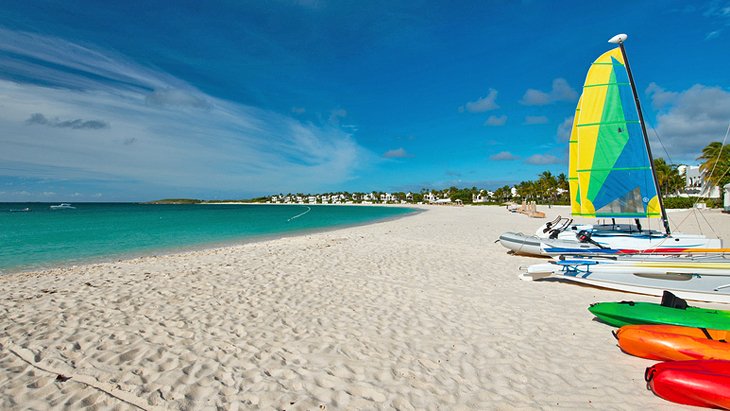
x: 716, y: 163
x: 563, y: 184
x: 548, y: 185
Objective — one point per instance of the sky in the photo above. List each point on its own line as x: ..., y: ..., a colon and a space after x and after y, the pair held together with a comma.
x: 141, y: 100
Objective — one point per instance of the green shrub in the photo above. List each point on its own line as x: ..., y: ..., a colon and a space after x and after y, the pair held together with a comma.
x: 689, y: 202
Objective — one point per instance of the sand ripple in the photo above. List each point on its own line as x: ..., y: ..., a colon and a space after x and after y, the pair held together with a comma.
x: 420, y: 313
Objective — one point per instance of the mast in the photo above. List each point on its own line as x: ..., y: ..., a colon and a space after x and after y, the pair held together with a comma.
x: 619, y: 39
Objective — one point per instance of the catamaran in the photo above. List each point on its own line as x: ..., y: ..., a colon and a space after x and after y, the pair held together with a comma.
x: 703, y: 278
x: 610, y: 174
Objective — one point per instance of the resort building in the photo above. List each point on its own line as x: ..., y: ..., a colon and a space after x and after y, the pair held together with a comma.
x: 695, y: 184
x: 482, y: 197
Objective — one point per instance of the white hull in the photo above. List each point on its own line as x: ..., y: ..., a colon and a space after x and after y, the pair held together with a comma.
x: 623, y: 243
x: 701, y: 283
x: 521, y: 243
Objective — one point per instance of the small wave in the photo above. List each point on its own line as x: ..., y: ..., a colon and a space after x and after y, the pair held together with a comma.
x: 300, y: 214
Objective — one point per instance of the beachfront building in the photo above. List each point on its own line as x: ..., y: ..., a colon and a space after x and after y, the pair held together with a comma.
x: 482, y: 197
x: 430, y: 197
x: 409, y: 196
x: 695, y: 183
x: 388, y: 198
x: 274, y: 199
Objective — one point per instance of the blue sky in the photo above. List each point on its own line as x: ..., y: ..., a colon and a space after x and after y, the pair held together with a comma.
x: 229, y: 99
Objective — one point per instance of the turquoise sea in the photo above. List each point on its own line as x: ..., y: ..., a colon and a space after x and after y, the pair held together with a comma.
x: 44, y: 237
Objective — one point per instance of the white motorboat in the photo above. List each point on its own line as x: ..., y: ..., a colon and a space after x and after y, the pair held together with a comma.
x: 62, y: 206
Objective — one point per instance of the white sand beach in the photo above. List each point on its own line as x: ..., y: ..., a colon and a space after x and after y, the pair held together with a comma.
x: 423, y: 312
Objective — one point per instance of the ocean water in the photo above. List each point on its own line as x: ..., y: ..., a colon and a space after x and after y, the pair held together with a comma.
x: 44, y: 237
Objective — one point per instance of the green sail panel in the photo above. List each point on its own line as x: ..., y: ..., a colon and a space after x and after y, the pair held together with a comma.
x: 613, y: 171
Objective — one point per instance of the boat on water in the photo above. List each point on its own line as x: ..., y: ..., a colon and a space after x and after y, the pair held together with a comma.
x: 20, y: 210
x: 62, y: 206
x: 610, y: 174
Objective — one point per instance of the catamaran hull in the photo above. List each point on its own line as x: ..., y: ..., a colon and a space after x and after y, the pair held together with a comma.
x: 521, y: 243
x: 700, y: 283
x: 624, y: 244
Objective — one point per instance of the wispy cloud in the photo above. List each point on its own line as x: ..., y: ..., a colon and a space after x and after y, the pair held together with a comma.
x: 171, y: 97
x: 543, y: 159
x: 530, y: 120
x: 495, y: 121
x: 561, y: 91
x: 165, y: 134
x: 336, y: 115
x: 482, y: 104
x: 713, y: 34
x: 503, y: 156
x: 78, y: 124
x: 396, y: 153
x: 564, y: 129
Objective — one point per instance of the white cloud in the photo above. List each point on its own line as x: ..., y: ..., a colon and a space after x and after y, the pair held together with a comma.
x: 496, y: 120
x: 689, y: 120
x: 543, y: 159
x: 534, y: 97
x: 482, y: 104
x: 173, y: 137
x: 561, y: 91
x: 503, y: 156
x: 661, y: 98
x: 396, y: 153
x: 536, y: 120
x: 565, y: 128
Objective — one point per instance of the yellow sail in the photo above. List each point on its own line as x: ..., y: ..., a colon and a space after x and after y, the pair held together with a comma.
x: 614, y: 177
x: 573, y: 165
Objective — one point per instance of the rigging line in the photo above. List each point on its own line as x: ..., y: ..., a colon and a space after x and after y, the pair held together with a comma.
x: 720, y: 153
x: 300, y: 214
x: 714, y: 166
x: 662, y: 144
x: 697, y: 219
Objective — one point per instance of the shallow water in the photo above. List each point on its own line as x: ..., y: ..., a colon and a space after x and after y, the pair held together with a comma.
x: 45, y: 237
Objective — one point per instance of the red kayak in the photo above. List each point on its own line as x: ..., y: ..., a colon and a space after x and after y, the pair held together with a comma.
x: 702, y: 383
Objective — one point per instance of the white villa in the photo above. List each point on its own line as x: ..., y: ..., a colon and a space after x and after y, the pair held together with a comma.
x: 695, y: 184
x: 482, y: 197
x: 430, y: 197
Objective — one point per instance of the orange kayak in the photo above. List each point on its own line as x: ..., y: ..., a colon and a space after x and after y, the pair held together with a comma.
x: 674, y: 343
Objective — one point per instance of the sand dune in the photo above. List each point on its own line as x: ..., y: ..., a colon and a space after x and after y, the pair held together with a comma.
x: 424, y: 312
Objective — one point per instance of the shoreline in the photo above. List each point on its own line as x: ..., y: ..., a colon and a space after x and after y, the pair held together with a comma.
x: 182, y: 249
x: 424, y: 312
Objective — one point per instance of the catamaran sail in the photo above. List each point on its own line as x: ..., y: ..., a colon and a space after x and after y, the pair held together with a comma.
x: 613, y: 167
x: 610, y: 171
